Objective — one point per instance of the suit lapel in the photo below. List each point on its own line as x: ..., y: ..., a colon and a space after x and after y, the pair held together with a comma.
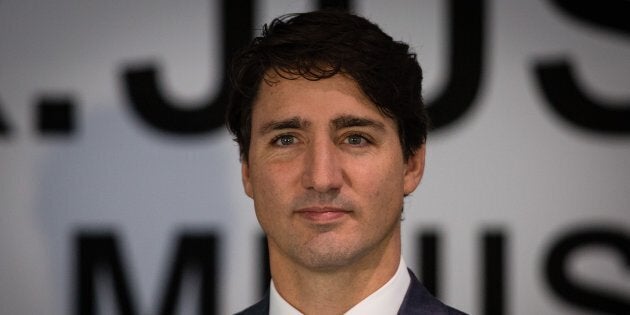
x: 260, y: 308
x: 419, y: 301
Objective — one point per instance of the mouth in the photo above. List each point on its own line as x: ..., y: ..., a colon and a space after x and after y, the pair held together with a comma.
x: 322, y: 214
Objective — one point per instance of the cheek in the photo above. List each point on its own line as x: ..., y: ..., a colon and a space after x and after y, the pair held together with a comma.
x: 382, y: 186
x: 266, y: 204
x: 271, y: 186
x: 379, y: 176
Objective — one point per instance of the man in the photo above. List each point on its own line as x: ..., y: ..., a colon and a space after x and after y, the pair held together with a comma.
x: 328, y: 115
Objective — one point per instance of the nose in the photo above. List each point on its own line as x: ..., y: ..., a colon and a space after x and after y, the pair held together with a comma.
x: 322, y: 167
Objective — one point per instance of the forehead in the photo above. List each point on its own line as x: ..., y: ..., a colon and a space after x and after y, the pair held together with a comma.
x: 280, y: 98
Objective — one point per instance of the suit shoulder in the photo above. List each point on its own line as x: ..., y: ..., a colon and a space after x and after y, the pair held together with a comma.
x: 419, y: 301
x: 260, y: 308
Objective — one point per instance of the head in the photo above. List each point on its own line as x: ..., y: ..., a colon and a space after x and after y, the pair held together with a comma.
x: 328, y: 114
x: 318, y: 45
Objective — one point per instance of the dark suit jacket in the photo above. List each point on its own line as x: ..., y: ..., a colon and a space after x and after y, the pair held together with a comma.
x: 418, y: 301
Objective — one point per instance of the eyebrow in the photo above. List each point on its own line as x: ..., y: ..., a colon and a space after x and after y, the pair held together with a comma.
x: 291, y: 123
x: 348, y: 121
x: 341, y: 122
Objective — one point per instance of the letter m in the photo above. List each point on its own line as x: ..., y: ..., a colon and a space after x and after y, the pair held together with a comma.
x: 99, y: 263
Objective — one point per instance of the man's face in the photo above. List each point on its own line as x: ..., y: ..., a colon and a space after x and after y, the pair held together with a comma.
x: 326, y: 172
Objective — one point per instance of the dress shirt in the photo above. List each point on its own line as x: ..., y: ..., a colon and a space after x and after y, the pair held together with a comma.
x: 386, y: 300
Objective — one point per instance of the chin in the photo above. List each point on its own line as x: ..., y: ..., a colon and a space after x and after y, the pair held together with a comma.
x: 330, y: 258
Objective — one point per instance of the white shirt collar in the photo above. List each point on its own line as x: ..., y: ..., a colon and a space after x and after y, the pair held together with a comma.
x: 386, y: 300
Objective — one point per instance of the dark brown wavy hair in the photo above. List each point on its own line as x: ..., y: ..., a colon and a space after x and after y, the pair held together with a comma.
x: 318, y: 45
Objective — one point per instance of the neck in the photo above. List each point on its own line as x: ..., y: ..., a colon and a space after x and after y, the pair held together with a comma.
x: 334, y: 290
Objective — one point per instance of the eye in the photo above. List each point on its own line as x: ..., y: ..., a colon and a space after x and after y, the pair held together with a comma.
x: 356, y: 140
x: 284, y: 140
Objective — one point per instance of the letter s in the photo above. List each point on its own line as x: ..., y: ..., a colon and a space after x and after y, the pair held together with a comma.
x: 581, y: 294
x: 558, y: 81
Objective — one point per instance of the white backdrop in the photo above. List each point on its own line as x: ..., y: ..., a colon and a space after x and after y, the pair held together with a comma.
x: 510, y: 164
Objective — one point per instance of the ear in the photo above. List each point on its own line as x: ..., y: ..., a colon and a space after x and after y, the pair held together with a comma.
x: 414, y: 169
x: 247, y: 185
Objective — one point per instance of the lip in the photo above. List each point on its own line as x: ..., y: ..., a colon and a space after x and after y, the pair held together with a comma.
x: 322, y: 214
